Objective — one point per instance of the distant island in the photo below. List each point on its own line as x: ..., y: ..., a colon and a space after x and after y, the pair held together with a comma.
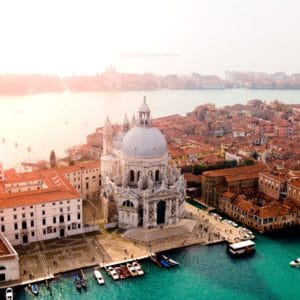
x: 111, y: 80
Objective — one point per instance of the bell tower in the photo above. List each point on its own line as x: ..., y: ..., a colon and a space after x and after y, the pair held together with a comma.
x: 107, y: 138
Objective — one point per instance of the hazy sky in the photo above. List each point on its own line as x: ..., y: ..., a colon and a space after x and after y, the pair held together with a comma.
x: 205, y: 36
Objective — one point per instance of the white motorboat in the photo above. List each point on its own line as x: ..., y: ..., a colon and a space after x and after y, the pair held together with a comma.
x: 9, y: 294
x: 99, y: 277
x: 113, y: 273
x: 138, y: 268
x: 295, y: 262
x: 132, y: 270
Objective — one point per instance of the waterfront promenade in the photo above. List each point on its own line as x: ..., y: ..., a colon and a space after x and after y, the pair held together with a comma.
x: 46, y: 259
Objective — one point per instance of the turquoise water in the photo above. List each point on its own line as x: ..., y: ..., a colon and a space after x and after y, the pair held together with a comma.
x: 206, y: 272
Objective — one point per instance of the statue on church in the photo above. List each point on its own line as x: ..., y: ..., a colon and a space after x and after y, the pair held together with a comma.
x: 125, y: 181
x: 141, y: 183
x: 150, y: 182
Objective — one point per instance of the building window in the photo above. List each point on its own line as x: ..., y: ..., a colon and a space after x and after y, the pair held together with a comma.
x: 54, y: 220
x: 43, y: 212
x: 24, y: 225
x: 87, y: 185
x: 61, y: 209
x: 69, y: 217
x: 157, y: 175
x: 31, y: 207
x: 16, y: 226
x: 2, y: 219
x: 32, y: 233
x: 32, y: 223
x: 61, y: 219
x: 68, y: 208
x: 2, y: 228
x: 79, y: 225
x: 131, y: 175
x: 31, y: 214
x: 54, y: 229
x: 44, y: 231
x: 15, y: 217
x: 44, y: 221
x: 78, y: 207
x: 15, y: 209
x: 69, y: 228
x: 16, y: 236
x: 23, y: 216
x: 78, y: 216
x: 60, y: 203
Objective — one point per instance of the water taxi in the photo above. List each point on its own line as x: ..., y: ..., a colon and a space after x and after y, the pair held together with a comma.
x: 241, y: 248
x: 99, y: 277
x: 295, y: 262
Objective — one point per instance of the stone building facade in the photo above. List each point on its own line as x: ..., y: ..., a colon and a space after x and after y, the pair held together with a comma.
x: 139, y: 187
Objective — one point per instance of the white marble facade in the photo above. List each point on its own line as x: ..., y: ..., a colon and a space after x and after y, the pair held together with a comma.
x: 139, y: 187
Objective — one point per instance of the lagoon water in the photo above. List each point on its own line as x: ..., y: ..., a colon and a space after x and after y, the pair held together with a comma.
x: 205, y: 272
x: 60, y: 120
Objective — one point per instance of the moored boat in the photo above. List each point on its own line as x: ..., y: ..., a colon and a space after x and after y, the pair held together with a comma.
x: 99, y: 277
x: 171, y: 261
x: 9, y: 295
x: 113, y: 273
x: 77, y: 282
x: 295, y: 263
x: 241, y: 248
x: 164, y: 263
x: 34, y: 289
x: 155, y: 260
x: 132, y: 270
x: 138, y: 268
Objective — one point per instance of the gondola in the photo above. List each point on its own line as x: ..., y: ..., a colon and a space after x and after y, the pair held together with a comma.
x: 171, y: 261
x: 155, y: 260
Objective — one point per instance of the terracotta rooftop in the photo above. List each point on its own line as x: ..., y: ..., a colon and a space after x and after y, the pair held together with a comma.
x: 57, y: 188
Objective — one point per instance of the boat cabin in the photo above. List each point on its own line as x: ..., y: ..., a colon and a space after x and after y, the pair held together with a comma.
x: 241, y: 248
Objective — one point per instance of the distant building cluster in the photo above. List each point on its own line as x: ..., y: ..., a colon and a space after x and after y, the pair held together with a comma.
x: 111, y: 80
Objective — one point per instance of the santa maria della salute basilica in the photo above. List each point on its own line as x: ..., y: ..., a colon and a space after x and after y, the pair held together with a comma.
x: 139, y: 188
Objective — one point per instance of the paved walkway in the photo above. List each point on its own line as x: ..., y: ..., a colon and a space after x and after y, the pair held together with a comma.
x: 47, y: 258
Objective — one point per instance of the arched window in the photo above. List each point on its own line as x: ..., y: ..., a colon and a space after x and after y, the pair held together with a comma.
x: 2, y: 268
x: 157, y: 175
x: 61, y: 219
x: 24, y: 225
x: 138, y: 175
x: 128, y: 203
x: 131, y: 175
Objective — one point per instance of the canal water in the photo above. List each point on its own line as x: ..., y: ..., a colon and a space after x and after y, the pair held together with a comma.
x: 205, y: 272
x: 32, y: 125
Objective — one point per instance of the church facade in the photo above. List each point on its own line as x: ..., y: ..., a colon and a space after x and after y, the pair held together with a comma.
x: 139, y: 187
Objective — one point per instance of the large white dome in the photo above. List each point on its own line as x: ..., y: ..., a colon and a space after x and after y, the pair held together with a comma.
x: 144, y: 142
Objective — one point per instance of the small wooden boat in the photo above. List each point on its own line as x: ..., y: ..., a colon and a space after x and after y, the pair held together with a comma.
x: 77, y: 282
x: 125, y: 271
x: 83, y: 283
x: 132, y: 270
x: 155, y: 260
x: 170, y: 260
x: 120, y: 273
x: 98, y: 276
x: 34, y: 289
